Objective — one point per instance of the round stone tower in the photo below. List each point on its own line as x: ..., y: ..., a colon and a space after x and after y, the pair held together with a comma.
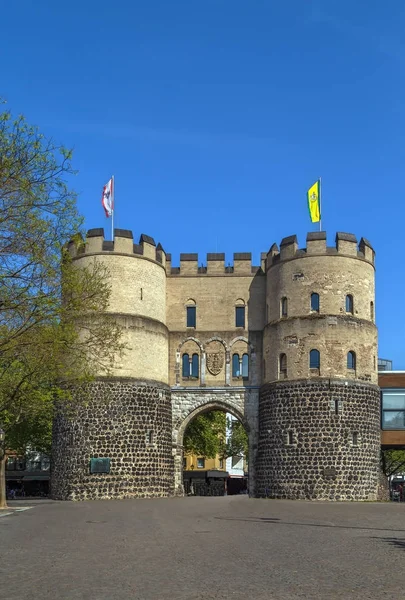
x: 319, y: 408
x: 126, y: 419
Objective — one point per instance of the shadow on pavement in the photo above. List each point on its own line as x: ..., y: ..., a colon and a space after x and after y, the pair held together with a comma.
x: 400, y: 544
x: 273, y: 521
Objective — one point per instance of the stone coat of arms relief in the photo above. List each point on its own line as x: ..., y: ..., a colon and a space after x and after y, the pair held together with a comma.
x: 215, y: 358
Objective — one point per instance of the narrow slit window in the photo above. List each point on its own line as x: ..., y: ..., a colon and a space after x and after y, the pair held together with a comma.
x: 195, y: 366
x: 235, y: 365
x: 141, y: 294
x: 349, y: 304
x: 336, y: 407
x: 315, y: 302
x: 240, y: 316
x: 186, y: 365
x: 191, y: 316
x: 351, y: 360
x: 284, y: 307
x: 245, y: 366
x: 372, y: 311
x: 283, y: 366
x: 150, y: 437
x: 314, y: 359
x: 355, y: 438
x: 290, y: 438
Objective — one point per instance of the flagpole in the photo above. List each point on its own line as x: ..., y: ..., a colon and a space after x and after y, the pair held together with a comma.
x: 320, y: 205
x: 113, y: 208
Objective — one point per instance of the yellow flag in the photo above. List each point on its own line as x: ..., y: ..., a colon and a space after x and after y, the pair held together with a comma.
x: 314, y: 202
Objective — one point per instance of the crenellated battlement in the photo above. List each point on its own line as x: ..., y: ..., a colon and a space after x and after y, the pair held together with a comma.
x: 215, y: 265
x: 346, y: 245
x: 95, y: 243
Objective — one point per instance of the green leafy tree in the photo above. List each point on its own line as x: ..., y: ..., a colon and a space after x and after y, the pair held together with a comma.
x: 52, y: 323
x: 392, y: 462
x: 206, y: 436
x: 238, y: 441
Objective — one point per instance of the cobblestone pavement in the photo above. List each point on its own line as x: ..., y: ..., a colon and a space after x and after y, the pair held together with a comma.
x: 202, y: 549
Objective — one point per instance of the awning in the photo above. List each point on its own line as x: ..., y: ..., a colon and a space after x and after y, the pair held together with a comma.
x: 219, y: 474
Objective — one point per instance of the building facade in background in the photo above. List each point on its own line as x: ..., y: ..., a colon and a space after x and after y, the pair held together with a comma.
x: 384, y: 364
x: 288, y: 347
x: 392, y: 384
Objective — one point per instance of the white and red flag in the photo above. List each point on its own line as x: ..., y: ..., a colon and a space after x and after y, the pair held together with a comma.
x: 107, y: 199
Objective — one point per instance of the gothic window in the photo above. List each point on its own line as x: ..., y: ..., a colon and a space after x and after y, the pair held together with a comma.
x: 349, y: 303
x: 315, y: 302
x: 195, y: 366
x: 186, y: 365
x: 235, y: 366
x: 351, y: 360
x: 283, y: 366
x: 314, y: 359
x: 245, y: 366
x: 284, y: 307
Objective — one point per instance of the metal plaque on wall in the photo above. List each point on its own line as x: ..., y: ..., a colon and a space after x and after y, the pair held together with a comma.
x: 99, y: 465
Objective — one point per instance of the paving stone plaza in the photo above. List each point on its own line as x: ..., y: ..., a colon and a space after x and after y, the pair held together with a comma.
x: 202, y: 548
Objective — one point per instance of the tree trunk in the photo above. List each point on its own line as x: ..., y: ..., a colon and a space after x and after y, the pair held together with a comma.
x: 3, y: 498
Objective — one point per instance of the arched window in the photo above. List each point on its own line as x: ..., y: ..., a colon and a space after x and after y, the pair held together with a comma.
x: 284, y: 307
x: 245, y: 366
x: 349, y: 303
x: 372, y: 311
x: 195, y: 371
x: 314, y: 359
x: 186, y: 365
x: 351, y: 360
x: 315, y: 302
x: 283, y: 366
x: 235, y: 366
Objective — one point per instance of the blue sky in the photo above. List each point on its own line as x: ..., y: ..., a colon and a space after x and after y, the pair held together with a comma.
x: 216, y: 116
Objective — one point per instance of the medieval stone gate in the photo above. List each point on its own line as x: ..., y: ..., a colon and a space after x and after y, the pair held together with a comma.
x: 299, y: 327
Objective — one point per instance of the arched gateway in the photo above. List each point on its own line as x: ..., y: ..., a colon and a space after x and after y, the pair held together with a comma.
x: 245, y: 339
x: 242, y: 404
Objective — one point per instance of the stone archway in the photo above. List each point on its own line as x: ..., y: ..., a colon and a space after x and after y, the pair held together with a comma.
x: 188, y: 404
